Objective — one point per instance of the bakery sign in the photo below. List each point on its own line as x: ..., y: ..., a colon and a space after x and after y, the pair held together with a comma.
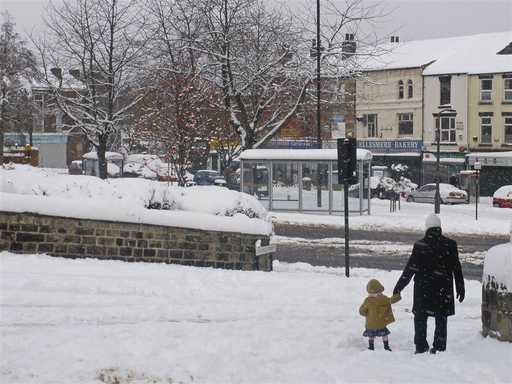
x: 391, y: 146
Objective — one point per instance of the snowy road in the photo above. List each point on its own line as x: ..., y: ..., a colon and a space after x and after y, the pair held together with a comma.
x: 322, y: 245
x: 96, y: 322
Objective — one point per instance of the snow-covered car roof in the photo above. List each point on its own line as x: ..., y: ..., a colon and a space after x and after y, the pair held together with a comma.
x: 503, y: 192
x: 108, y: 156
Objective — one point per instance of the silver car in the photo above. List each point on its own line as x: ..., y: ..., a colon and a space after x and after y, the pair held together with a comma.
x: 448, y: 193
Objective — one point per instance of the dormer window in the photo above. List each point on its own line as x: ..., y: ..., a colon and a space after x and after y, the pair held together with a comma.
x: 400, y: 89
x: 409, y: 89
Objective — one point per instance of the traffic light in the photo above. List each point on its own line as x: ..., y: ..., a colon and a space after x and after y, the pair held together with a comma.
x: 347, y: 160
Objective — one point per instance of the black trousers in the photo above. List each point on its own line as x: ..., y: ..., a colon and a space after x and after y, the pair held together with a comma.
x: 420, y: 332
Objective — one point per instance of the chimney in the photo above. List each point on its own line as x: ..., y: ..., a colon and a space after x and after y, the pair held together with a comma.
x: 395, y: 39
x: 348, y: 47
x: 57, y: 72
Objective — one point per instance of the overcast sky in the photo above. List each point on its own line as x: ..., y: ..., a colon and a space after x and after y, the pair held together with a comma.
x: 412, y: 19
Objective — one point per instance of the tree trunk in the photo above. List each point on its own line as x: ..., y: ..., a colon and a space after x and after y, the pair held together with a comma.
x: 102, y: 161
x: 1, y: 145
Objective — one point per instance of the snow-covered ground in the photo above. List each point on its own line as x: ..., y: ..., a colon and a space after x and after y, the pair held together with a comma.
x: 27, y: 189
x: 458, y: 219
x: 89, y: 321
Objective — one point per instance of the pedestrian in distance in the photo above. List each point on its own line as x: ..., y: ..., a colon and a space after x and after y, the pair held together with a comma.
x: 434, y: 263
x: 377, y: 310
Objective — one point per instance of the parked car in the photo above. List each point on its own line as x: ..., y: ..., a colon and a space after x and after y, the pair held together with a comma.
x: 448, y: 194
x: 208, y: 177
x: 75, y: 168
x: 502, y: 198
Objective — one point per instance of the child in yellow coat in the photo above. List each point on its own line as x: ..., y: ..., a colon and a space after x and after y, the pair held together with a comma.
x: 377, y: 310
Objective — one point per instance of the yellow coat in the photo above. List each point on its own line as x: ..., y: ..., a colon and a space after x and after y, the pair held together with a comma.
x: 377, y: 310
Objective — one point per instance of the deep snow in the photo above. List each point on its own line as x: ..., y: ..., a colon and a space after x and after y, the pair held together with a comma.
x: 27, y: 189
x: 74, y: 321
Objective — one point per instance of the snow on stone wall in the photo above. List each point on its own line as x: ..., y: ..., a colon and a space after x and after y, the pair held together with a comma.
x: 497, y: 292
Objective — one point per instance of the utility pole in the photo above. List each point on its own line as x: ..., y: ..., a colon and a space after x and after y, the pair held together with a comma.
x: 318, y: 122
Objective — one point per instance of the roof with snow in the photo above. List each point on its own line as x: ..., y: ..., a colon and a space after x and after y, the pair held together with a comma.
x: 472, y: 54
x: 299, y: 154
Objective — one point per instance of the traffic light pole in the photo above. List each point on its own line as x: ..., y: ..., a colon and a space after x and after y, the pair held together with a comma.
x: 347, y: 239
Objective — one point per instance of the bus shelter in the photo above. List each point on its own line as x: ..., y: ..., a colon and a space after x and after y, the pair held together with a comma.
x: 303, y: 180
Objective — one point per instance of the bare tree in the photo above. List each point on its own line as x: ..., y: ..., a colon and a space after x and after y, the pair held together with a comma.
x: 90, y: 61
x: 17, y: 69
x: 172, y: 121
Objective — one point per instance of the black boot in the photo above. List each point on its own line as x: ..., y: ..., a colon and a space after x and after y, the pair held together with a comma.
x: 386, y: 346
x: 371, y: 345
x: 421, y: 349
x: 433, y: 351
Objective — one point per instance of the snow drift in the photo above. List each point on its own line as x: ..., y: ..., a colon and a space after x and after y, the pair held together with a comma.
x: 27, y: 189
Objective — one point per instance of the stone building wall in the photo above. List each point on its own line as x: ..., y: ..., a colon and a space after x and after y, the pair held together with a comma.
x: 496, y: 311
x: 78, y: 238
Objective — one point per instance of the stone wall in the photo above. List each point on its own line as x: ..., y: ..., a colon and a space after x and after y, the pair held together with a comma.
x: 78, y: 238
x: 496, y: 311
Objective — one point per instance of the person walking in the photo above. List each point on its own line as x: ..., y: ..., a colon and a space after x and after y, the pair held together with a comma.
x: 434, y: 263
x: 376, y: 308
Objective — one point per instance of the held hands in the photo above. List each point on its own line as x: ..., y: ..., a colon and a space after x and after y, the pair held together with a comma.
x: 460, y: 295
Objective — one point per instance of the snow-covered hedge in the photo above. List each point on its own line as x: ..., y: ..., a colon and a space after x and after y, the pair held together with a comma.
x: 127, y: 197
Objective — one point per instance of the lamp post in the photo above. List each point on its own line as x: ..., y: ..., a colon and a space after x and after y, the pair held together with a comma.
x: 437, y: 203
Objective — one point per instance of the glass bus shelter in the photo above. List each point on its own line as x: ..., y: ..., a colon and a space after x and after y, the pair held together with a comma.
x: 303, y: 180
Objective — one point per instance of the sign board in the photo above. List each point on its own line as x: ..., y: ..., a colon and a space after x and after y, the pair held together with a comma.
x: 292, y: 144
x: 265, y: 249
x: 478, y: 165
x: 391, y: 146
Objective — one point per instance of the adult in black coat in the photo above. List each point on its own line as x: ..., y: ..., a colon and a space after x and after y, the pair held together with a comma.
x: 434, y: 263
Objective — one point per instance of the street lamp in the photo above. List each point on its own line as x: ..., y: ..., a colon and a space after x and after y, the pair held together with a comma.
x: 437, y: 203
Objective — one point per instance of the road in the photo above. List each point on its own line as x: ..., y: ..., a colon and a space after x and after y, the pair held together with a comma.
x: 324, y: 245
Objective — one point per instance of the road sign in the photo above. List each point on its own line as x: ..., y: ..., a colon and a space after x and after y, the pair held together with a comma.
x: 265, y: 249
x: 477, y: 166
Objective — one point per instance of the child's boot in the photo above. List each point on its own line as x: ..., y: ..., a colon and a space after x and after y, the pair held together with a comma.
x: 371, y: 344
x: 386, y: 346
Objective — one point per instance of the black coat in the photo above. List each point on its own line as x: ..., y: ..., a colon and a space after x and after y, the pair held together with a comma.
x: 434, y: 263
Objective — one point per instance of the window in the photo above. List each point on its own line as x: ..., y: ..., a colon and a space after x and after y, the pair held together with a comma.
x: 400, y: 89
x: 485, y: 130
x: 508, y: 130
x: 372, y: 125
x: 507, y: 85
x: 445, y: 86
x: 447, y: 129
x: 485, y: 90
x: 409, y: 89
x: 405, y: 124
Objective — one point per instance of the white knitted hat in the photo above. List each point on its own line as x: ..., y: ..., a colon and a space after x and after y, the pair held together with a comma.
x: 432, y: 221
